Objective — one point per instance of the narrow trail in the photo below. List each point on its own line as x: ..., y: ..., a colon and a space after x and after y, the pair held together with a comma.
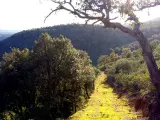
x: 105, y: 105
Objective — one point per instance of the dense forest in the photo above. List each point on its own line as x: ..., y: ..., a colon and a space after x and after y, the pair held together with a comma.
x: 52, y: 80
x: 85, y: 38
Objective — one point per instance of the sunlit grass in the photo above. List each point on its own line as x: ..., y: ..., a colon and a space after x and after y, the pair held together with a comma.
x: 104, y: 104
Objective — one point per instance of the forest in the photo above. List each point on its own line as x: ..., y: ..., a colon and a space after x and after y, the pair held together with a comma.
x: 53, y: 80
x: 85, y: 38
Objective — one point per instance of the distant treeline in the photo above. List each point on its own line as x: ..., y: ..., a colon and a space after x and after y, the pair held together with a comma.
x: 95, y: 40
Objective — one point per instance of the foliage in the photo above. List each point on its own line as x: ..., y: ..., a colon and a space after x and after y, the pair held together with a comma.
x: 125, y: 65
x: 129, y: 74
x: 105, y: 62
x: 50, y: 81
x: 88, y: 38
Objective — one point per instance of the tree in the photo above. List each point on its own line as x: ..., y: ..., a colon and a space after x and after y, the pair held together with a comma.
x: 126, y: 52
x: 101, y: 11
x: 64, y: 75
x: 17, y: 91
x: 51, y: 81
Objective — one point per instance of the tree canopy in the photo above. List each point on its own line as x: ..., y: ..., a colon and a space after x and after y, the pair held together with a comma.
x: 104, y: 10
x: 53, y: 80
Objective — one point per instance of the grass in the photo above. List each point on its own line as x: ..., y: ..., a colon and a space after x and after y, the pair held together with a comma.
x: 105, y: 105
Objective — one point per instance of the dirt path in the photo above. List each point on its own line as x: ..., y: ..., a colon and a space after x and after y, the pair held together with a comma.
x: 104, y: 105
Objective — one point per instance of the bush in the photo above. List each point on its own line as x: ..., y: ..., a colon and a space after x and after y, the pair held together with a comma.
x: 133, y: 84
x: 126, y: 66
x: 128, y: 74
x: 97, y: 71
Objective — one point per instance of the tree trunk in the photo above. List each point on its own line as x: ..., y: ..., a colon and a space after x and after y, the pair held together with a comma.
x: 85, y: 86
x: 154, y: 75
x: 147, y: 55
x: 150, y: 61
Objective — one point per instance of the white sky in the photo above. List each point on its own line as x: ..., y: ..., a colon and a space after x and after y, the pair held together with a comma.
x: 27, y: 14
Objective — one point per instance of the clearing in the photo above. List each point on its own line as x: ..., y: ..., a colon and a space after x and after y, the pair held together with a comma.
x: 105, y: 105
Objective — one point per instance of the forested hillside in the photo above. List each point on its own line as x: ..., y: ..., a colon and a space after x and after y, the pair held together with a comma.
x: 151, y: 27
x: 89, y: 38
x: 95, y: 40
x: 128, y: 75
x: 4, y: 36
x: 6, y: 33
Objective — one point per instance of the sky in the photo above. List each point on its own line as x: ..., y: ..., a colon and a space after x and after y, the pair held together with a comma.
x: 28, y: 14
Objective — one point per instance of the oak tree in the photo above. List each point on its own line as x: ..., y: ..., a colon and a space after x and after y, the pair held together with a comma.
x: 103, y: 10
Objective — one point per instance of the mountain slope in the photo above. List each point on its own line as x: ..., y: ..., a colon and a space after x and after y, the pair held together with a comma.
x: 4, y: 36
x: 6, y: 33
x: 95, y: 40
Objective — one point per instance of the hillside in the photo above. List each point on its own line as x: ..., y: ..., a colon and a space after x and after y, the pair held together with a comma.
x: 4, y: 36
x: 151, y: 27
x: 95, y: 40
x: 6, y: 33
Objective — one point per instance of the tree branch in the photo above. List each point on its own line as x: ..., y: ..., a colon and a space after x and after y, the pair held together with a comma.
x: 95, y: 22
x: 52, y: 11
x: 120, y: 27
x: 86, y: 22
x: 104, y: 8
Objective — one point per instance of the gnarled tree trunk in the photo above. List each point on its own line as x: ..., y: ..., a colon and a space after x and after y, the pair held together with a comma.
x: 146, y: 50
x: 154, y: 109
x: 150, y: 61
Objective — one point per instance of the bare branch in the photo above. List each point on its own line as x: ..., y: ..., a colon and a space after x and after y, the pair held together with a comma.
x: 52, y: 11
x: 113, y: 18
x: 57, y: 2
x: 120, y: 27
x: 102, y: 8
x: 95, y: 22
x: 81, y: 14
x: 86, y: 22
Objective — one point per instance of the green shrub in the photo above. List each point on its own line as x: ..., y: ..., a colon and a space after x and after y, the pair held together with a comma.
x: 129, y: 72
x: 126, y: 66
x: 134, y: 83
